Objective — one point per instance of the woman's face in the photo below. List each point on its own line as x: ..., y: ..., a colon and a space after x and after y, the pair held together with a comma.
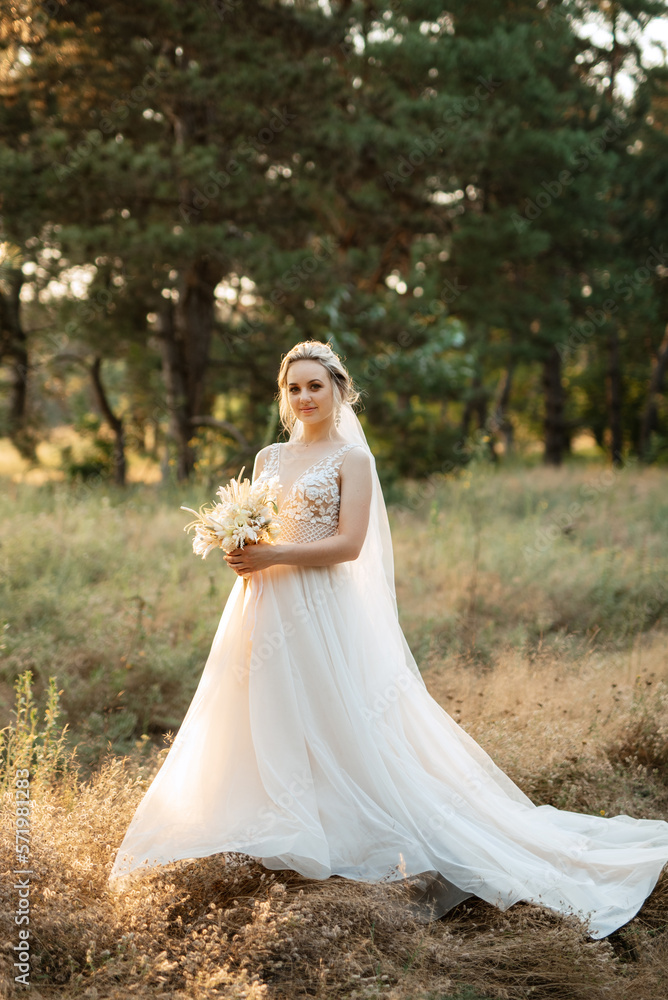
x: 310, y: 392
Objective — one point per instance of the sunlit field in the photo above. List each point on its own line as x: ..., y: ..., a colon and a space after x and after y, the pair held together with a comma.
x: 536, y: 604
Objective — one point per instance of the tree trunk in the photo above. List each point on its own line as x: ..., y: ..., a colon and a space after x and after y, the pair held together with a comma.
x: 501, y: 422
x: 185, y: 336
x: 614, y: 398
x: 173, y: 369
x: 187, y: 327
x: 649, y: 421
x: 115, y: 423
x: 476, y: 405
x: 554, y: 429
x: 15, y: 346
x: 196, y: 312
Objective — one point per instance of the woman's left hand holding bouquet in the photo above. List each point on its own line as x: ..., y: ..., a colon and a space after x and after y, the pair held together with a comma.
x: 243, y: 524
x: 251, y: 558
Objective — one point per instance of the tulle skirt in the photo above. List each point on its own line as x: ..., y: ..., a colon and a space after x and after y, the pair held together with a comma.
x: 313, y: 744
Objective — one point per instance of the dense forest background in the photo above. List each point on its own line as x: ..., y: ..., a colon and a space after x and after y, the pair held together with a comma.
x: 469, y: 200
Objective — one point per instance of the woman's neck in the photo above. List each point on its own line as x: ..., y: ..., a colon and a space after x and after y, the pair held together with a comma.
x: 312, y: 436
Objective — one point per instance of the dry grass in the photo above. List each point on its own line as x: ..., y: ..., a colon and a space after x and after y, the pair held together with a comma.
x: 554, y: 662
x: 226, y: 927
x: 549, y: 723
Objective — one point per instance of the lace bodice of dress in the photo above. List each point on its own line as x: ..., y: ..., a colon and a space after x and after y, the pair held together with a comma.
x: 310, y: 509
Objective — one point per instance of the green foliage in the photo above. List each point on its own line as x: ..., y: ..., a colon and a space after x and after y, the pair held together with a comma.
x: 39, y: 747
x: 452, y: 197
x: 97, y: 460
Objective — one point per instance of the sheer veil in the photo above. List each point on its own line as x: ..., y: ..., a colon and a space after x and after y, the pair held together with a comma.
x: 374, y: 567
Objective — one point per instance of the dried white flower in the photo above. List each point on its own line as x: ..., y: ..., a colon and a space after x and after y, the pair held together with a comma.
x: 245, y: 514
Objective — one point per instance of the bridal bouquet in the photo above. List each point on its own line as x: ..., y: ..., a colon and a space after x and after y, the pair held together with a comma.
x: 244, y: 515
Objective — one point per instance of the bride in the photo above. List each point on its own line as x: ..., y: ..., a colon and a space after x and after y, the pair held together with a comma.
x: 312, y: 742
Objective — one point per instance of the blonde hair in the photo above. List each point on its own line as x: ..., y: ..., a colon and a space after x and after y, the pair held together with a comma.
x: 314, y: 350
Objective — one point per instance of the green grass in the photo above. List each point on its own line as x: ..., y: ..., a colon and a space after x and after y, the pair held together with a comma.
x: 100, y: 589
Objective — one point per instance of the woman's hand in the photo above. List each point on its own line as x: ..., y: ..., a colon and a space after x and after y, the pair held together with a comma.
x: 251, y: 558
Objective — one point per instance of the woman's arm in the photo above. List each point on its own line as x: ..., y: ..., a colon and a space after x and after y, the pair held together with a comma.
x: 260, y: 459
x: 356, y: 488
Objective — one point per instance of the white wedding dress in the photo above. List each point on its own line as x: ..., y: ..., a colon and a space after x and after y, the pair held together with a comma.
x: 313, y: 744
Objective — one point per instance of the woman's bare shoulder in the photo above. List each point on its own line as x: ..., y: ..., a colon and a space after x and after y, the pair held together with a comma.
x: 359, y: 449
x: 357, y: 459
x: 261, y: 458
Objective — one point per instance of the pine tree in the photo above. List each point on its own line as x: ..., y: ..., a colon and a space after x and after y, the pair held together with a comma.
x: 438, y: 192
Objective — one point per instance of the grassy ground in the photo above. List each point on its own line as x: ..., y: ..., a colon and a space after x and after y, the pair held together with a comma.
x: 536, y: 603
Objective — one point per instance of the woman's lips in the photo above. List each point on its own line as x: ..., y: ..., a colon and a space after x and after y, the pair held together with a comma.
x: 308, y: 409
